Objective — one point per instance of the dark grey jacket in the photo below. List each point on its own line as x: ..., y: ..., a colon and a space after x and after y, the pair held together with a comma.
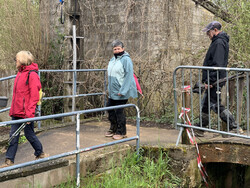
x: 217, y: 56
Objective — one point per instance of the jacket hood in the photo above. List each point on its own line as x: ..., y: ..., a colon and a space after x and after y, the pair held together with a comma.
x: 123, y: 55
x: 126, y: 54
x: 32, y: 66
x: 222, y: 35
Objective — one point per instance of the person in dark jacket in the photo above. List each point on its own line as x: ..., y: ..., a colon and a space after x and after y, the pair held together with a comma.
x: 217, y: 56
x: 24, y: 101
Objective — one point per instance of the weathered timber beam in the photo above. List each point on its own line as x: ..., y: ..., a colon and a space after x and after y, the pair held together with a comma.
x: 216, y: 10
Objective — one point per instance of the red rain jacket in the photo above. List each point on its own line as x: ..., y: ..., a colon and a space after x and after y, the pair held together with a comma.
x: 25, y: 97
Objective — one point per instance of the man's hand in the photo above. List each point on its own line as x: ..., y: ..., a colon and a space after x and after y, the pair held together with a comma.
x: 206, y: 86
x: 119, y: 94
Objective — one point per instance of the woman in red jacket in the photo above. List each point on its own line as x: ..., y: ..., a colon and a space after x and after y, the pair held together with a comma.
x: 24, y: 100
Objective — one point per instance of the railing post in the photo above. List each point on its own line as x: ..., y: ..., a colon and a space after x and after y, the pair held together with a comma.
x: 74, y: 73
x: 186, y: 99
x: 78, y: 148
x: 241, y: 87
x: 138, y: 130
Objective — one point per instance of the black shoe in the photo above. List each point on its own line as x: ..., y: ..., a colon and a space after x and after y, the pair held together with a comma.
x: 198, y: 133
x: 236, y: 130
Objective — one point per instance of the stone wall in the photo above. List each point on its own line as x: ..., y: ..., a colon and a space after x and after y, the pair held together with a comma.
x: 159, y: 35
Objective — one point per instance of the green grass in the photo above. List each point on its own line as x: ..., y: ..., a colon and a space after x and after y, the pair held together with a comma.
x: 134, y: 172
x: 22, y: 139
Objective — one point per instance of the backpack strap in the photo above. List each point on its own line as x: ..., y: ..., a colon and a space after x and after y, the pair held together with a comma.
x: 27, y: 81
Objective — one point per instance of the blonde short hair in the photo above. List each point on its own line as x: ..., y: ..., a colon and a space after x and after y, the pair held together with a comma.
x: 25, y: 57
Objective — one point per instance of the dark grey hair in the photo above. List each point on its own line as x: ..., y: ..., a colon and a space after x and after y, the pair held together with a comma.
x: 116, y: 43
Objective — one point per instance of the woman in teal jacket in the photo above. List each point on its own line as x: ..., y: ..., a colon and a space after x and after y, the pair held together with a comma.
x: 121, y: 86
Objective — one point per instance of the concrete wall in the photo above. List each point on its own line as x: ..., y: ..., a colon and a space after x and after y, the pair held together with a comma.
x: 160, y: 29
x: 158, y: 34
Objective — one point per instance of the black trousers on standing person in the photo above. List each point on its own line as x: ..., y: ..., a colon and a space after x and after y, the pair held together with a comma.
x: 224, y: 113
x: 117, y: 117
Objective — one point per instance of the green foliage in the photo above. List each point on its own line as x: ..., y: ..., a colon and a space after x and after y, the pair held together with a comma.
x: 22, y: 139
x: 238, y: 30
x: 137, y: 172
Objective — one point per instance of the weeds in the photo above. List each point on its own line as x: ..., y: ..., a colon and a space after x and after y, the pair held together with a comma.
x: 143, y: 171
x: 22, y: 139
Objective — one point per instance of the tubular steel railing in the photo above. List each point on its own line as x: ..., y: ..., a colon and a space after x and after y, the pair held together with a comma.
x: 191, y: 75
x: 74, y: 81
x: 78, y: 150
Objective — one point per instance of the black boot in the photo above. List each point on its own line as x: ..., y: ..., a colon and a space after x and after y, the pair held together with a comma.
x: 205, y: 122
x: 226, y: 113
x: 232, y: 123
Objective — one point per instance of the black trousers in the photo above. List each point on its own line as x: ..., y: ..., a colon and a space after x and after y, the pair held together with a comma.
x: 225, y: 114
x: 117, y: 117
x: 213, y: 101
x: 29, y: 134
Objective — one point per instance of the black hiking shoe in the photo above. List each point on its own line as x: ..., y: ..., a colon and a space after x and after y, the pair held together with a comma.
x: 198, y: 133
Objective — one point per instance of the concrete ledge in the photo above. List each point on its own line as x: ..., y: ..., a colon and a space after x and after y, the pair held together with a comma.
x: 33, y: 169
x: 55, y: 172
x: 225, y: 153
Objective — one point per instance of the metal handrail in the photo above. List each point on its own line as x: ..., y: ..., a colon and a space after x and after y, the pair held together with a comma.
x: 217, y: 69
x: 78, y: 150
x: 74, y: 82
x: 4, y: 110
x: 7, y: 78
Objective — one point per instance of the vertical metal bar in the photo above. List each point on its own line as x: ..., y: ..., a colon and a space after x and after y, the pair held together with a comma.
x: 73, y: 103
x: 183, y: 95
x: 191, y: 93
x: 179, y: 136
x: 237, y: 100
x: 39, y: 108
x: 218, y: 100
x: 175, y: 100
x: 200, y: 97
x: 247, y: 103
x: 74, y: 73
x: 227, y: 101
x: 78, y: 148
x: 138, y: 130
x: 105, y: 89
x: 209, y: 105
